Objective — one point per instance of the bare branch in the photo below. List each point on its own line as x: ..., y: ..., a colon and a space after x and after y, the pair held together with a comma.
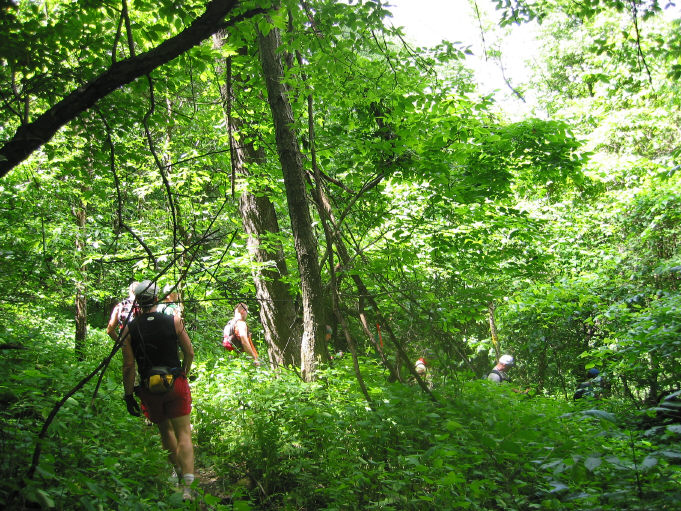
x: 119, y: 210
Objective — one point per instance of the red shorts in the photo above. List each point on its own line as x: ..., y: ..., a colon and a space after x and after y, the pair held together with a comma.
x: 174, y: 403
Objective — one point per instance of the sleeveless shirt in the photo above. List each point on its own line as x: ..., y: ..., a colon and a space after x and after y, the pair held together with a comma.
x: 154, y: 341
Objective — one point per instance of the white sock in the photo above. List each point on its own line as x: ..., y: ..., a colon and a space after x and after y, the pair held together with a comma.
x: 188, y: 479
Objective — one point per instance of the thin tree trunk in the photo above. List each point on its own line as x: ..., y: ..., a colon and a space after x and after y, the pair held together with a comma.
x: 80, y: 213
x: 329, y: 248
x: 629, y: 393
x: 313, y: 348
x: 378, y: 345
x: 325, y: 211
x: 363, y: 292
x: 324, y: 208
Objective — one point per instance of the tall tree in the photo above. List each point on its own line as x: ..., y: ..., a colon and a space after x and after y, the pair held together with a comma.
x: 313, y: 349
x: 259, y: 217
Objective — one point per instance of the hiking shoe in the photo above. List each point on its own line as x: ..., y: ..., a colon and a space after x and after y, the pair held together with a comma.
x: 187, y: 493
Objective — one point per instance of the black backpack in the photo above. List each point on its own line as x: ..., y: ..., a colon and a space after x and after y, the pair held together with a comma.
x: 230, y: 340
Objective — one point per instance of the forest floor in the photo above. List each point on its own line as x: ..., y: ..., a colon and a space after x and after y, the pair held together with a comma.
x: 212, y: 483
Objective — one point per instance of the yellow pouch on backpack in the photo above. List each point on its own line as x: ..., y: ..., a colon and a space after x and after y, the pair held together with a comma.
x: 159, y: 381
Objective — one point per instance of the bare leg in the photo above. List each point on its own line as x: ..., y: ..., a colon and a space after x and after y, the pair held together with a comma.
x: 176, y: 437
x: 168, y: 439
x: 182, y: 437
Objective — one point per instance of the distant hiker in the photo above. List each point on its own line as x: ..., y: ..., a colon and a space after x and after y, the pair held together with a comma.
x: 498, y: 373
x: 122, y: 313
x: 421, y: 368
x: 236, y: 335
x: 150, y: 342
x: 171, y: 303
x: 591, y: 387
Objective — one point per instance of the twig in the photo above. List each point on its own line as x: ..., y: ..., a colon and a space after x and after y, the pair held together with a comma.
x: 482, y: 32
x: 119, y: 212
x: 639, y: 51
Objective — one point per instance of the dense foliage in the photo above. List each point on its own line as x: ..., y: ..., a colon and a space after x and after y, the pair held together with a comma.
x: 442, y: 229
x: 264, y: 441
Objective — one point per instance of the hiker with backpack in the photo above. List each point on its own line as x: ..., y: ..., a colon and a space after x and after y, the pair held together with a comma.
x: 498, y: 373
x: 421, y: 366
x: 171, y: 303
x: 150, y: 343
x: 122, y: 313
x: 236, y: 335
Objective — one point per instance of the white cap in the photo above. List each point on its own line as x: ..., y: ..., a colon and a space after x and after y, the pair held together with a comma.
x: 146, y: 292
x: 507, y: 360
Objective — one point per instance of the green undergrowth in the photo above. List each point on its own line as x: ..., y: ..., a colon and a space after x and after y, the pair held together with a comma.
x: 481, y: 447
x: 267, y: 441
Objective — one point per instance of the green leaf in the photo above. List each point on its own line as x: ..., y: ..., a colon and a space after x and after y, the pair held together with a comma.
x: 592, y: 462
x: 264, y: 26
x: 602, y: 415
x: 453, y: 426
x: 44, y: 499
x: 649, y: 462
x: 211, y: 500
x: 557, y: 486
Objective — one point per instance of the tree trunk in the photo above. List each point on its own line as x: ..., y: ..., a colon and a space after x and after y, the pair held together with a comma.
x: 324, y: 208
x: 493, y: 330
x: 81, y: 299
x: 277, y: 310
x: 276, y: 306
x: 80, y: 212
x: 312, y: 345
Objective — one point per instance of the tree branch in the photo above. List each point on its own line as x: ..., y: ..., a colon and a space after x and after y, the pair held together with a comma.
x: 121, y: 223
x: 29, y: 137
x: 639, y: 51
